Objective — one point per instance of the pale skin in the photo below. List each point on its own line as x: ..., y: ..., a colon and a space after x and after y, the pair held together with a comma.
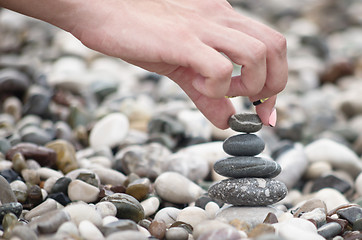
x: 183, y: 40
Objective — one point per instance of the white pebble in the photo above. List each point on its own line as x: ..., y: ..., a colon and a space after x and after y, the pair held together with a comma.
x: 79, y: 190
x: 168, y: 215
x: 109, y: 131
x: 89, y: 232
x: 176, y: 188
x: 211, y: 209
x: 46, y: 173
x: 150, y: 205
x: 80, y: 211
x: 106, y: 209
x: 109, y: 219
x: 192, y: 215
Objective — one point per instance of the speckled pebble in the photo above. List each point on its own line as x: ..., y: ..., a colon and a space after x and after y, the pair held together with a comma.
x: 248, y: 191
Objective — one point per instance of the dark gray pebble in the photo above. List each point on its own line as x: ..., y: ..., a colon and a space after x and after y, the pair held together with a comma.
x: 13, y: 81
x: 60, y: 197
x: 6, y: 193
x: 330, y: 230
x: 351, y: 214
x: 37, y: 101
x: 248, y: 191
x: 36, y: 135
x: 245, y: 122
x: 61, y: 185
x: 50, y: 222
x: 10, y: 175
x: 202, y: 201
x: 331, y: 181
x: 13, y: 207
x: 239, y: 167
x: 244, y: 145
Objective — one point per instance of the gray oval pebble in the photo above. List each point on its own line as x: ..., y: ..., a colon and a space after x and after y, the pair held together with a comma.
x: 238, y: 167
x: 6, y: 193
x: 248, y: 191
x: 177, y: 233
x: 330, y: 230
x: 243, y: 145
x: 245, y: 122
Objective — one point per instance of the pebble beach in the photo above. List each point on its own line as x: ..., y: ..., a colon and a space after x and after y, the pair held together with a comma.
x: 93, y: 148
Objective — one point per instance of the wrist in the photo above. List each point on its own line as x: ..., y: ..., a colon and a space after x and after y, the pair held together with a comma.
x: 62, y: 13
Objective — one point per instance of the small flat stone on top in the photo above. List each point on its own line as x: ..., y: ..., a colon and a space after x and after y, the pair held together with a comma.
x: 245, y: 122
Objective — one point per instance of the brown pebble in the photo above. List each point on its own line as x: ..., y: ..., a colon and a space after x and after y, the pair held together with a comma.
x: 46, y: 157
x: 35, y: 196
x: 118, y: 189
x: 66, y: 159
x: 271, y: 218
x: 309, y: 206
x: 157, y: 229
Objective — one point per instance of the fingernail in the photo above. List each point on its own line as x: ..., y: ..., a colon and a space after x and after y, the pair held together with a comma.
x: 273, y: 118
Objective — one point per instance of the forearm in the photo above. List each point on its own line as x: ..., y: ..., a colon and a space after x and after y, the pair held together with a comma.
x: 61, y: 13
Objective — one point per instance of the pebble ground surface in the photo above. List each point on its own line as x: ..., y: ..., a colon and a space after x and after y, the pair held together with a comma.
x: 94, y: 148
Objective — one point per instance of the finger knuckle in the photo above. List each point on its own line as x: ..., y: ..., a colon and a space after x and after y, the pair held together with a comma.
x: 279, y: 45
x: 224, y: 69
x: 259, y: 52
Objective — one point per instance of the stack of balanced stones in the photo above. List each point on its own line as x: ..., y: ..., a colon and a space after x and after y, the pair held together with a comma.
x: 250, y: 178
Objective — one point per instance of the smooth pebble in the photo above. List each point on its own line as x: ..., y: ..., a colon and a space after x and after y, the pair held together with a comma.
x: 176, y: 188
x: 89, y: 231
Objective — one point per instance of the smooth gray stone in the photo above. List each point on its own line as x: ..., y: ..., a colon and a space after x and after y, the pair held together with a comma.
x: 36, y: 135
x: 120, y: 225
x: 50, y: 221
x: 23, y: 232
x: 245, y: 122
x: 243, y: 145
x: 248, y: 191
x: 13, y: 81
x: 331, y: 181
x: 240, y: 167
x: 351, y: 214
x: 330, y: 230
x: 37, y: 101
x: 6, y: 193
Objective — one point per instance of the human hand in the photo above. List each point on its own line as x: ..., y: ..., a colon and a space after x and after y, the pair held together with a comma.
x: 182, y: 40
